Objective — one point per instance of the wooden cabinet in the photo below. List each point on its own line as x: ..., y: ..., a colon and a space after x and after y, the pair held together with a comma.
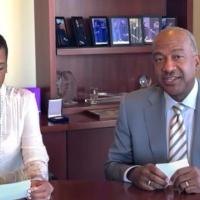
x: 78, y: 150
x: 55, y: 143
x: 87, y: 152
x: 111, y: 69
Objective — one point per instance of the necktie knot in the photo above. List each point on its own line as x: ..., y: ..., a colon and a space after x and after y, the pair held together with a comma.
x: 178, y: 108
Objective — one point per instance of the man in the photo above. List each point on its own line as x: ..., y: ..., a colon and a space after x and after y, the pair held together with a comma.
x: 22, y: 153
x: 142, y: 132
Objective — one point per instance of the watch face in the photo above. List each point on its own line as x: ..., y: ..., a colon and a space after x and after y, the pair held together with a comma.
x: 144, y: 81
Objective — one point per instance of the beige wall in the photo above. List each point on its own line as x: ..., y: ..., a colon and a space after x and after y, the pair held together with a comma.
x: 196, y: 25
x: 17, y: 26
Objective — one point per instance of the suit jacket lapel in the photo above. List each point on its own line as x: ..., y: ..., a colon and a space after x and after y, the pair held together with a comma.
x: 156, y: 127
x: 195, y: 146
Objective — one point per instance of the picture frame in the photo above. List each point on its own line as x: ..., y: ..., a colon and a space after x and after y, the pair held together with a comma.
x: 55, y: 111
x: 79, y: 31
x: 54, y: 108
x: 136, y: 31
x: 151, y: 27
x: 62, y: 37
x: 168, y: 22
x: 99, y: 31
x: 119, y: 31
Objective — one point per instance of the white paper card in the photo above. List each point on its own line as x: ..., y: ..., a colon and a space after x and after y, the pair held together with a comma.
x: 170, y: 168
x: 16, y: 190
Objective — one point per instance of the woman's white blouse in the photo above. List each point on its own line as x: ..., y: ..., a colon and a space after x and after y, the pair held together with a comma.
x: 21, y: 145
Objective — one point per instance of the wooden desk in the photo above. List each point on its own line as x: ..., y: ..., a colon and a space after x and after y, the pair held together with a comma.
x: 108, y: 190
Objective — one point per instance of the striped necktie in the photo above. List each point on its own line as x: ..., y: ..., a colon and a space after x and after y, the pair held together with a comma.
x: 177, y: 135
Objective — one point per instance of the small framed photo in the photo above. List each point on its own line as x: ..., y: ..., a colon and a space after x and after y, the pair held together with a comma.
x: 79, y: 31
x: 135, y: 27
x: 62, y: 37
x: 54, y: 108
x: 168, y: 22
x: 100, y: 31
x: 151, y: 27
x: 119, y: 31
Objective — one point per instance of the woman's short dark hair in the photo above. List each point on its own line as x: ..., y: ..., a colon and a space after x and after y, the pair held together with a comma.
x: 3, y: 45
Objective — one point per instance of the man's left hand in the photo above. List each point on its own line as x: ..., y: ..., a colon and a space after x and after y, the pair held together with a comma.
x: 187, y: 179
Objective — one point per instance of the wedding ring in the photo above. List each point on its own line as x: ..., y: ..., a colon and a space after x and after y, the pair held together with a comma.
x: 187, y: 184
x: 149, y: 183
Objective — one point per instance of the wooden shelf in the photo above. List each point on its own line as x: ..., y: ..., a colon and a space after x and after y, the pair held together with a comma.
x: 104, y: 50
x: 110, y: 68
x: 82, y: 107
x: 78, y: 121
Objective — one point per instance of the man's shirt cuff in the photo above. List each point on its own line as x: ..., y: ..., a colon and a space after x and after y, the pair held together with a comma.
x: 125, y: 178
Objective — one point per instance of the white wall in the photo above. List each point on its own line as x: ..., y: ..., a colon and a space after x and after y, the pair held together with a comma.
x: 17, y: 26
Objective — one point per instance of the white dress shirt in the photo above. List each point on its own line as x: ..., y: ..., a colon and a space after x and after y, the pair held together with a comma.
x: 21, y: 146
x: 188, y: 114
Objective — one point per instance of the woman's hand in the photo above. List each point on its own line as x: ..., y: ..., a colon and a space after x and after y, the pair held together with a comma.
x: 40, y: 190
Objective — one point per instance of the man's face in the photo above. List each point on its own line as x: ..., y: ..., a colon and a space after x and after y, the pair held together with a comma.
x: 175, y: 63
x: 3, y: 65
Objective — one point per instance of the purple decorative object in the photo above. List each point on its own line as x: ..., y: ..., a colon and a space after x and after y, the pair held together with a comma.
x: 37, y: 93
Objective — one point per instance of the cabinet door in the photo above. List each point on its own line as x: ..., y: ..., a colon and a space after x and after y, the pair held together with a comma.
x: 55, y: 143
x: 87, y: 153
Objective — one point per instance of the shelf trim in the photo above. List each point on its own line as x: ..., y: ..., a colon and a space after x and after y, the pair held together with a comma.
x: 103, y: 50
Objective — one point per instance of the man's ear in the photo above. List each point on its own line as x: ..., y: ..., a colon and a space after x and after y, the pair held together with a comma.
x: 197, y: 60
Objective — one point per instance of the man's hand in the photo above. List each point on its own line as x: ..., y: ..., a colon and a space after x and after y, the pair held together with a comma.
x: 187, y: 179
x: 40, y: 190
x: 148, y: 177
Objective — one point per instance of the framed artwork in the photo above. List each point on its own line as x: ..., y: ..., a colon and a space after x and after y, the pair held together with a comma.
x: 100, y: 31
x: 62, y: 37
x: 119, y: 30
x: 135, y: 27
x: 79, y: 31
x: 151, y: 27
x: 168, y: 22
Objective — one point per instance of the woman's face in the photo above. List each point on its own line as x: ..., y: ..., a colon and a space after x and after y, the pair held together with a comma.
x: 3, y: 65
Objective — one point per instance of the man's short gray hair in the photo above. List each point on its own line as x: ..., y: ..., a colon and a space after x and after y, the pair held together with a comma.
x: 188, y: 33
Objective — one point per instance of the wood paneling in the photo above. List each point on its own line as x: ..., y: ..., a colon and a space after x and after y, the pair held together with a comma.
x: 88, y: 8
x: 55, y: 143
x: 183, y: 10
x: 87, y: 153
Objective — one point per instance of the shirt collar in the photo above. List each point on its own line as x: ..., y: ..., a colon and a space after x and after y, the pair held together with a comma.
x: 3, y: 90
x: 189, y: 101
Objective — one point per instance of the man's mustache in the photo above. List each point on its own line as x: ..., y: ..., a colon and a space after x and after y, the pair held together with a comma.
x: 172, y: 74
